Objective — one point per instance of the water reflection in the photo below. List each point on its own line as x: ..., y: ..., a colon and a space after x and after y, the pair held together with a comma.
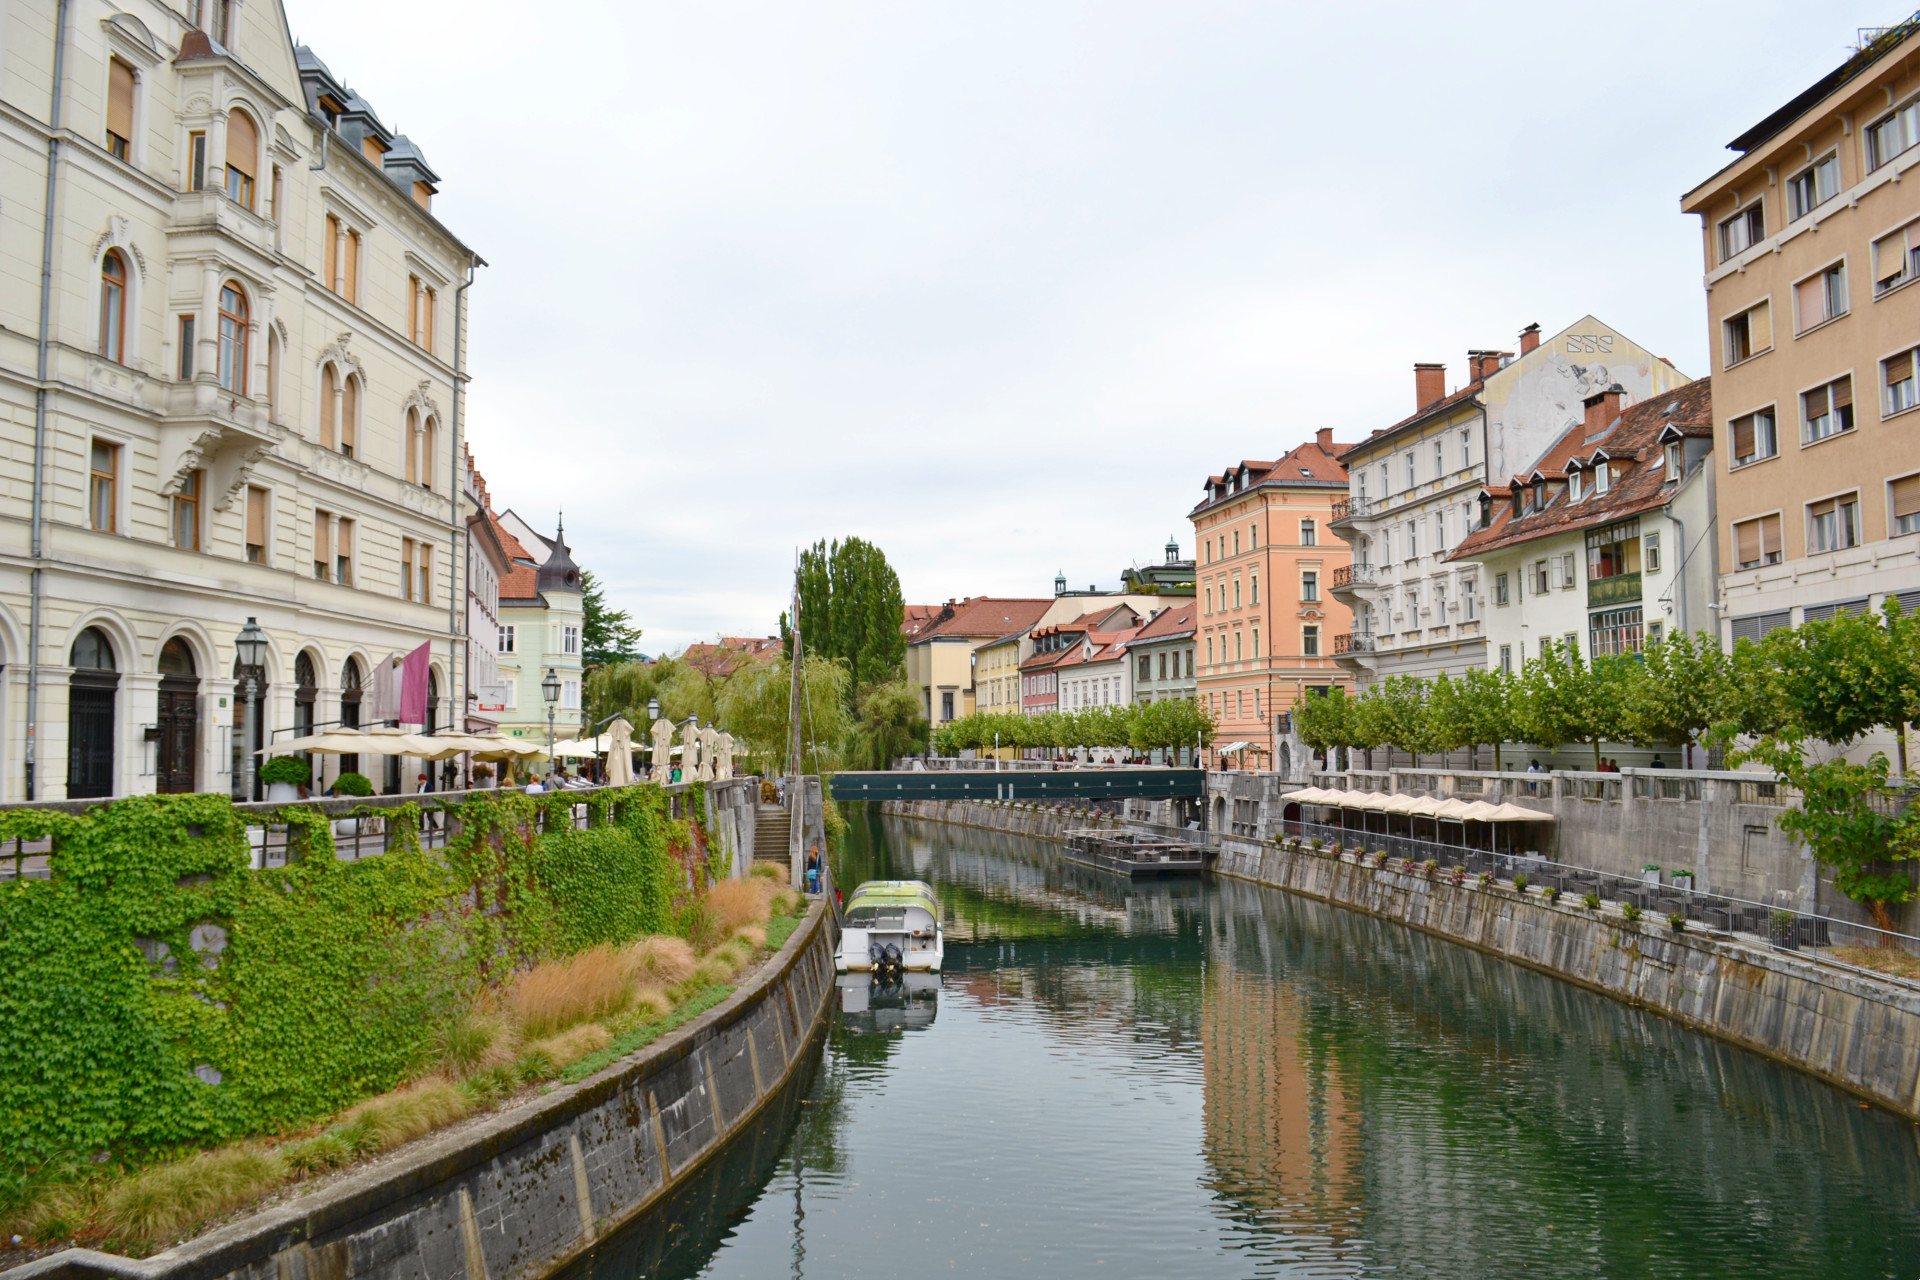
x: 1221, y: 1080
x: 868, y: 1007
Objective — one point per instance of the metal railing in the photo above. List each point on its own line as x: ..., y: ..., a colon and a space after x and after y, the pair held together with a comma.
x: 1353, y: 642
x: 1348, y: 575
x: 1351, y: 508
x: 1780, y: 926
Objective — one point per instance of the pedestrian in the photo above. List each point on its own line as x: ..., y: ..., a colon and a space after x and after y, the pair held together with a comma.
x: 1533, y: 788
x: 813, y: 869
x: 1658, y: 763
x: 429, y: 818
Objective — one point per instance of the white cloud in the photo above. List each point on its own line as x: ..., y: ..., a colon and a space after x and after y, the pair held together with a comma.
x: 997, y: 285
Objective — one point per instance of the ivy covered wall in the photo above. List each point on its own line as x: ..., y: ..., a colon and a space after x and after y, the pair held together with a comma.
x: 157, y: 991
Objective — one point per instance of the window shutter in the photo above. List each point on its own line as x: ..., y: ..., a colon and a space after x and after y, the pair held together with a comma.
x: 243, y: 143
x: 1900, y: 368
x: 1812, y: 297
x: 349, y: 412
x: 1906, y: 496
x: 322, y: 540
x: 1818, y: 509
x: 1760, y: 326
x: 413, y: 446
x: 1770, y: 535
x: 350, y: 269
x: 257, y: 516
x: 1743, y: 436
x: 330, y: 253
x: 329, y: 404
x: 120, y: 99
x: 1890, y: 256
x: 1746, y: 542
x: 1842, y: 392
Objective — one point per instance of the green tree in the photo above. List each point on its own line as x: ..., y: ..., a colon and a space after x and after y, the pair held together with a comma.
x: 1851, y: 821
x: 851, y: 610
x: 1844, y: 676
x: 1325, y: 721
x: 607, y: 635
x: 1681, y: 689
x: 1482, y: 703
x: 754, y: 705
x: 1402, y: 716
x: 1550, y: 706
x: 889, y: 725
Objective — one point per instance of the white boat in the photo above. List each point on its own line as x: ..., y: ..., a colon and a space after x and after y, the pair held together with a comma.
x: 891, y: 928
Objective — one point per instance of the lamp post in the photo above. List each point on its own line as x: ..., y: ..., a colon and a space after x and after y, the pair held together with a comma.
x: 653, y: 713
x: 250, y: 648
x: 550, y: 690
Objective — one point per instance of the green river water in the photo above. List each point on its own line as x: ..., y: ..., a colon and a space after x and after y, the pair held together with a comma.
x: 1222, y: 1080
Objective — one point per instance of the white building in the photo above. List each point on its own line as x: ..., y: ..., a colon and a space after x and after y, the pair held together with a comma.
x: 1414, y: 489
x: 229, y: 388
x: 542, y: 617
x: 487, y: 565
x: 1608, y: 543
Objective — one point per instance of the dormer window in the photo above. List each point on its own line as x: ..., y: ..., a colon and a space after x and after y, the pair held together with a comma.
x: 1602, y: 476
x: 1573, y: 484
x: 1675, y: 464
x: 1539, y: 494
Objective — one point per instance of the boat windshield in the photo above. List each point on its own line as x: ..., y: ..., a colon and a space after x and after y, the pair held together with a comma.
x: 877, y: 916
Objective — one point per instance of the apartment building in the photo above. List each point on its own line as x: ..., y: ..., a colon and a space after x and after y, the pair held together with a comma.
x: 1265, y: 560
x: 1607, y: 544
x: 542, y: 621
x: 230, y: 389
x: 1416, y: 486
x: 1810, y: 241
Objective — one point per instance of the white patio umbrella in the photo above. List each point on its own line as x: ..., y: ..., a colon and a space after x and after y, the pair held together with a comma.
x: 619, y: 752
x: 580, y: 748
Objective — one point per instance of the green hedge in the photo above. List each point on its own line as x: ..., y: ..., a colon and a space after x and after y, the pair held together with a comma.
x: 335, y: 978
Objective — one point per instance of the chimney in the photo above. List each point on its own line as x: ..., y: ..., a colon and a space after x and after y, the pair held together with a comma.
x: 1529, y: 338
x: 1324, y: 438
x: 1429, y: 384
x: 1602, y: 410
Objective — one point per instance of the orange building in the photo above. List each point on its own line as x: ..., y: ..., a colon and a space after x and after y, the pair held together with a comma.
x: 1267, y: 619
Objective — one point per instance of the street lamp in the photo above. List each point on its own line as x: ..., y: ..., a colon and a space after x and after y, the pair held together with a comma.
x: 653, y: 713
x: 550, y: 690
x: 250, y: 649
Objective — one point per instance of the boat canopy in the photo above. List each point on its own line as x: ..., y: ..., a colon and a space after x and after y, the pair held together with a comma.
x: 895, y: 893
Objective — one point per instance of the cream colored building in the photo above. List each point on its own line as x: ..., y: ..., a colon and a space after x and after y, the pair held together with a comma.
x: 251, y: 355
x: 1811, y: 246
x: 1414, y: 490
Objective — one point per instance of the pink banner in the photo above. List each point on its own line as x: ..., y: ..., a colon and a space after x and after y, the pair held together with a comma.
x: 413, y: 687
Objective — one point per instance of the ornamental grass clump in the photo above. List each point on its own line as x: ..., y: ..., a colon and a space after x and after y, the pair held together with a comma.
x: 556, y: 995
x: 160, y: 1202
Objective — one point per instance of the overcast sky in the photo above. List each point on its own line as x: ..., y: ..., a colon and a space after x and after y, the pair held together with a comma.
x: 996, y: 286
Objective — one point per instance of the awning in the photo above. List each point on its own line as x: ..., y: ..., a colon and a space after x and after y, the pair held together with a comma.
x: 581, y: 748
x: 1232, y: 747
x: 1514, y: 813
x: 1453, y: 810
x: 1306, y: 795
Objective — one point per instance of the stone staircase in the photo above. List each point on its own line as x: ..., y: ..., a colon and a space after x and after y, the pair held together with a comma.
x: 772, y: 829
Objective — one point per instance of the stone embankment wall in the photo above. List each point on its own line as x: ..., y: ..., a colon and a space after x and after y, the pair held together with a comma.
x: 1041, y: 821
x: 521, y: 1194
x: 1859, y: 1032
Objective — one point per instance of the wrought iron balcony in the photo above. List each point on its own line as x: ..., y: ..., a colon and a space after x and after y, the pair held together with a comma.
x: 1352, y: 642
x: 1351, y: 508
x: 1622, y: 588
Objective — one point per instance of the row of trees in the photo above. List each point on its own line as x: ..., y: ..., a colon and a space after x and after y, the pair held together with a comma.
x: 858, y: 711
x: 1831, y: 681
x: 1147, y: 726
x: 1791, y: 701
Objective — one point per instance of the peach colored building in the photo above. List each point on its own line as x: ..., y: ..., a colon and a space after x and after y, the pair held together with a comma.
x: 1267, y: 617
x: 1811, y: 245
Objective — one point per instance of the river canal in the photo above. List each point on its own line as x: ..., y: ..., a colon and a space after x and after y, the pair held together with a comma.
x: 1223, y: 1080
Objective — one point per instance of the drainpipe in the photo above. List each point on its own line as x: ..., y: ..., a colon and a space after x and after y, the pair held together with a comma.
x: 40, y: 393
x: 456, y: 585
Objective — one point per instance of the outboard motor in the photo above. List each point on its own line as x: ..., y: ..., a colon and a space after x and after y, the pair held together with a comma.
x: 888, y: 965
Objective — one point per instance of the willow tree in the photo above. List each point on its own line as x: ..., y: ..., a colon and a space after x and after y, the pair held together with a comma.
x: 754, y: 706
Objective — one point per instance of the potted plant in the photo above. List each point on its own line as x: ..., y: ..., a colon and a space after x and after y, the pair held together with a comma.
x: 1782, y: 929
x: 1486, y: 879
x: 284, y: 776
x: 1677, y: 921
x: 1683, y: 880
x: 1433, y: 867
x: 1590, y: 900
x: 1650, y: 874
x: 1550, y: 892
x: 1629, y: 911
x: 482, y: 774
x: 1519, y: 882
x: 350, y: 784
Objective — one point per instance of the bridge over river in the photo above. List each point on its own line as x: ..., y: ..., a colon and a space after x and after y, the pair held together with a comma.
x: 1222, y: 1080
x: 1124, y: 783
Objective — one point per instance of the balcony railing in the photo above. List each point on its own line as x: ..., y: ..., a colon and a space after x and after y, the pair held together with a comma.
x: 1351, y: 508
x: 1622, y: 588
x: 1352, y: 642
x: 1348, y: 575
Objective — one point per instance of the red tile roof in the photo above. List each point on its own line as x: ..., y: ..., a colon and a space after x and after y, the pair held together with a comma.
x: 1635, y: 436
x: 731, y: 653
x: 915, y: 617
x: 1309, y: 463
x: 983, y: 618
x: 1174, y: 621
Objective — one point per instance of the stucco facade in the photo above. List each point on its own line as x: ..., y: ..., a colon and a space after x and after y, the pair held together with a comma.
x: 1266, y: 616
x: 1415, y: 488
x: 252, y: 360
x: 1811, y: 248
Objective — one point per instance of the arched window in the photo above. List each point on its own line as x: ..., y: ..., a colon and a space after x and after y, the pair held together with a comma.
x: 243, y: 158
x: 429, y: 435
x: 233, y: 339
x: 113, y: 306
x: 90, y: 697
x: 329, y: 405
x: 413, y: 446
x: 305, y: 689
x: 349, y: 415
x: 350, y: 709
